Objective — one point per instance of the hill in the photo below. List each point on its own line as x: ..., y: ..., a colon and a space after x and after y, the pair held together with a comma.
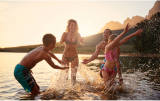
x: 154, y: 9
x: 117, y: 26
x: 133, y: 21
x: 93, y: 40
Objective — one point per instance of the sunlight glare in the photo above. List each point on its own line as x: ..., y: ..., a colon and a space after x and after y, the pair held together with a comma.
x: 85, y: 31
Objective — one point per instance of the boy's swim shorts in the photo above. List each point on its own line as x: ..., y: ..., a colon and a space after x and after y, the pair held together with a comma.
x: 24, y: 77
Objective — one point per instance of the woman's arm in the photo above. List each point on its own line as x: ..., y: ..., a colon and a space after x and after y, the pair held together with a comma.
x: 63, y: 38
x: 80, y: 39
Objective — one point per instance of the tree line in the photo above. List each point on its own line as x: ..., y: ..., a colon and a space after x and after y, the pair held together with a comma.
x: 149, y: 41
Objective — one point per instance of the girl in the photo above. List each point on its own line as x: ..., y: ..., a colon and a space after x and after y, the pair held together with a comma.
x: 108, y: 71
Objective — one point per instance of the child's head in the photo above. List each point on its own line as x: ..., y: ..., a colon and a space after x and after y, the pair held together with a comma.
x: 49, y: 39
x: 112, y: 37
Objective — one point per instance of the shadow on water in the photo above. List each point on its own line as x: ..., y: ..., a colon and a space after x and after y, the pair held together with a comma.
x: 141, y: 82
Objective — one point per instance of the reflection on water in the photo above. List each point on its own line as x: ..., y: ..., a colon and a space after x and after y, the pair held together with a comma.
x: 141, y: 80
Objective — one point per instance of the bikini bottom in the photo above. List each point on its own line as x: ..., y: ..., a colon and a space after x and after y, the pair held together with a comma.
x: 70, y: 59
x: 110, y: 71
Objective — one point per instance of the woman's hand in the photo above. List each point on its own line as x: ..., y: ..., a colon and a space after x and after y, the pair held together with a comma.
x: 81, y: 39
x: 63, y: 38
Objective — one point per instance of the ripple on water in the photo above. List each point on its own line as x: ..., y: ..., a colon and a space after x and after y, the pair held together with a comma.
x: 137, y: 85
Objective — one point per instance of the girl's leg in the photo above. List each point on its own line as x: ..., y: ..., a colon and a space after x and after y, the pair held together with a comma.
x: 74, y: 65
x: 64, y: 60
x: 113, y: 78
x: 106, y: 77
x: 100, y: 73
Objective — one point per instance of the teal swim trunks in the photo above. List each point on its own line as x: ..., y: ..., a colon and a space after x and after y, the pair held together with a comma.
x: 24, y: 77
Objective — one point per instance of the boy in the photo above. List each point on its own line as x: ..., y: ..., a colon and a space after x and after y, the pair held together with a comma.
x: 22, y: 70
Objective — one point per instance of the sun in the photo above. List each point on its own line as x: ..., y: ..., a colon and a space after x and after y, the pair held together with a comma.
x: 85, y: 31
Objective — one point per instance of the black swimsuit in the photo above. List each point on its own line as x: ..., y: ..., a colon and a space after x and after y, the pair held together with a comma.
x: 70, y: 59
x: 71, y: 43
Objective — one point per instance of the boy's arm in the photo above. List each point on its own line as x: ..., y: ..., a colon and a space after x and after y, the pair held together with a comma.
x: 117, y: 39
x: 48, y: 59
x: 94, y: 56
x: 128, y: 37
x: 53, y: 56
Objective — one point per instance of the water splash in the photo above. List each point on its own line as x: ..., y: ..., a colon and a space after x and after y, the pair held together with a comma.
x: 89, y: 85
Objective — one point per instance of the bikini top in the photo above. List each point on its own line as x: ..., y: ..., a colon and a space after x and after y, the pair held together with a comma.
x: 71, y: 43
x: 111, y: 55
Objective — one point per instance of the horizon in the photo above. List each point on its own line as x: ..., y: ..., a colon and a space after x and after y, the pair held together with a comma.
x: 24, y: 23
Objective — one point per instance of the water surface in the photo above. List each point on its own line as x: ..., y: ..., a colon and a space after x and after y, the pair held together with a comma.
x: 141, y: 80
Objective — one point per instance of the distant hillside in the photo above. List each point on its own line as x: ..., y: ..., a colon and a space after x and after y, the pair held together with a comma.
x: 27, y: 48
x: 117, y: 26
x: 97, y: 38
x: 133, y: 21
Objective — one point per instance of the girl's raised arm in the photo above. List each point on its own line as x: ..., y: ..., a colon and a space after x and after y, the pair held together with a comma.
x: 117, y: 39
x: 128, y: 37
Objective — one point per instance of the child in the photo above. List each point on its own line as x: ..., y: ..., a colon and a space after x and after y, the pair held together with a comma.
x: 108, y: 71
x: 22, y: 70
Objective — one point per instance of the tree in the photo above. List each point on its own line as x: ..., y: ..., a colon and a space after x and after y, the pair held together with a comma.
x: 149, y: 41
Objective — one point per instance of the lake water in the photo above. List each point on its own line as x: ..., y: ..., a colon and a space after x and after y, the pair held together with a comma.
x: 141, y: 80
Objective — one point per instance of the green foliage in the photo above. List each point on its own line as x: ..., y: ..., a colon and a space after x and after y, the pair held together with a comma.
x: 149, y: 41
x: 127, y: 49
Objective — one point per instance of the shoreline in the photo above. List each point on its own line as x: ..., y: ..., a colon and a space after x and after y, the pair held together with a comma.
x: 121, y: 54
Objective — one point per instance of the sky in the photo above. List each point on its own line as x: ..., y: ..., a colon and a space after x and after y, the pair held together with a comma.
x: 25, y: 22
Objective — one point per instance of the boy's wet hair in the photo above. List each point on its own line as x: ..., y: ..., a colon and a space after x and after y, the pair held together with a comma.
x: 112, y: 37
x: 48, y: 39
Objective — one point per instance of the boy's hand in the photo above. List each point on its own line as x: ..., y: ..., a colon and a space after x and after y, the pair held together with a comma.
x: 138, y: 32
x: 85, y: 61
x: 127, y: 28
x: 62, y: 63
x: 65, y: 68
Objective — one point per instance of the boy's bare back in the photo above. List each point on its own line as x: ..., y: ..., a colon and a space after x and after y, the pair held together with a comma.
x: 33, y: 57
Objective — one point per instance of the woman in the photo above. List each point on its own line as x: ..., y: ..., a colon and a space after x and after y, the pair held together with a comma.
x: 71, y: 38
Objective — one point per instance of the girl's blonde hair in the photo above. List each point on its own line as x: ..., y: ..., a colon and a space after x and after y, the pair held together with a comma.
x: 69, y: 22
x: 112, y: 37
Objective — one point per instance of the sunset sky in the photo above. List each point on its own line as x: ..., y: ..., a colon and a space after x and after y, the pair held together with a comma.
x: 25, y: 22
